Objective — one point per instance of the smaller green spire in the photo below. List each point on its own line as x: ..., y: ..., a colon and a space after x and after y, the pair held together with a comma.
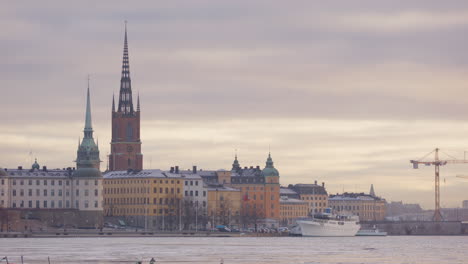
x: 235, y: 164
x: 270, y: 169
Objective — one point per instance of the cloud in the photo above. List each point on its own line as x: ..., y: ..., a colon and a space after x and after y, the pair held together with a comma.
x: 345, y: 92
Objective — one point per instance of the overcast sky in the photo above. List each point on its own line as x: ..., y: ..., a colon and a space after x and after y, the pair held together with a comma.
x: 344, y: 92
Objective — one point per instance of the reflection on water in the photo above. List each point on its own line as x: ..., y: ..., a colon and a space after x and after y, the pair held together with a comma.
x: 245, y: 250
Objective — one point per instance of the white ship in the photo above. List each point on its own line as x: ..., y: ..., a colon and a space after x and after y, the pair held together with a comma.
x: 328, y: 224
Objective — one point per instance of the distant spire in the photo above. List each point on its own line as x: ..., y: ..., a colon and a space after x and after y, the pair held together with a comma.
x: 269, y: 162
x: 125, y: 95
x: 372, y: 192
x: 235, y: 164
x: 138, y: 102
x: 88, y: 129
x: 113, y: 103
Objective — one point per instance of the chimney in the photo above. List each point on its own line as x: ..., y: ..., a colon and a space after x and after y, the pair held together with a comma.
x: 44, y: 168
x: 315, y: 183
x: 258, y: 167
x: 245, y: 167
x: 20, y: 167
x: 172, y: 170
x: 177, y: 169
x: 194, y: 170
x: 323, y: 184
x: 251, y: 167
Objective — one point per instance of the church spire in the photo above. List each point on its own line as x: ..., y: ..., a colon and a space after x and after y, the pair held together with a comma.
x: 88, y: 129
x: 372, y: 192
x: 125, y: 96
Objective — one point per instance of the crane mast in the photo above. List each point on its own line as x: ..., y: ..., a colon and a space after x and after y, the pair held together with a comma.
x: 437, y: 163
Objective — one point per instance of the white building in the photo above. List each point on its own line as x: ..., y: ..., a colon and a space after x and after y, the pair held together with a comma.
x: 51, y: 189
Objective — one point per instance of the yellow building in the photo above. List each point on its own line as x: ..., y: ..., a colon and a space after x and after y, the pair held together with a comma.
x: 314, y: 195
x: 147, y: 198
x: 291, y: 209
x: 224, y: 206
x: 367, y: 207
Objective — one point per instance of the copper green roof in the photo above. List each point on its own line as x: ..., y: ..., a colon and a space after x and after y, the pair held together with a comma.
x: 269, y: 169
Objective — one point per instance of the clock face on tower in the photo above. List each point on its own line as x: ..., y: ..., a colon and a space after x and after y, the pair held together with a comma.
x: 129, y: 148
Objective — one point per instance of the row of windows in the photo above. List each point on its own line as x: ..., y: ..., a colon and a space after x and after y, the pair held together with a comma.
x: 123, y: 190
x: 191, y: 193
x: 52, y: 192
x: 254, y: 197
x: 52, y: 204
x: 312, y: 198
x: 191, y: 183
x: 45, y: 182
x: 356, y: 207
x: 126, y: 181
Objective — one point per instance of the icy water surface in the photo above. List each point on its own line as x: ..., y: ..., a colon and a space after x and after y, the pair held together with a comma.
x: 246, y: 250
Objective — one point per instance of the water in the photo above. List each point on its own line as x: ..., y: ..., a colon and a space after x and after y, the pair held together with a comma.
x: 245, y: 250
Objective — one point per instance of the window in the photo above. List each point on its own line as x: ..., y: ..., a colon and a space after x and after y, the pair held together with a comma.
x: 45, y: 204
x: 68, y: 204
x: 21, y: 192
x: 30, y: 204
x: 77, y: 192
x: 186, y: 183
x: 60, y: 182
x: 86, y: 204
x: 186, y: 193
x: 196, y: 193
x: 14, y: 182
x: 77, y: 204
x: 38, y: 192
x: 86, y: 193
x: 52, y: 192
x: 45, y: 182
x: 14, y: 192
x: 37, y: 204
x: 45, y: 192
x: 95, y: 192
x: 52, y: 204
x: 38, y: 182
x: 196, y: 183
x: 86, y: 183
x: 60, y: 204
x: 59, y: 192
x: 77, y: 182
x: 29, y: 182
x: 204, y: 193
x: 67, y: 193
x: 30, y: 192
x: 95, y: 182
x: 95, y: 204
x: 191, y: 193
x: 52, y: 182
x: 68, y: 182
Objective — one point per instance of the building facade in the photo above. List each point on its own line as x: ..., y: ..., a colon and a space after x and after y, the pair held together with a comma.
x: 224, y: 206
x: 292, y: 209
x: 156, y: 199
x: 125, y: 144
x: 315, y: 195
x: 367, y: 207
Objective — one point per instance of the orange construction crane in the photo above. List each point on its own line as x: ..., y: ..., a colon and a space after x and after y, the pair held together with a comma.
x: 437, y: 163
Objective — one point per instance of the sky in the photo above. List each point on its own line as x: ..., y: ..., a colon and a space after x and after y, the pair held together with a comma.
x: 342, y: 92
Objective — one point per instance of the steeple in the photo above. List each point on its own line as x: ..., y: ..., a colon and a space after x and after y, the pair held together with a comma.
x: 88, y: 129
x: 88, y: 151
x: 372, y: 192
x: 235, y: 164
x: 125, y: 95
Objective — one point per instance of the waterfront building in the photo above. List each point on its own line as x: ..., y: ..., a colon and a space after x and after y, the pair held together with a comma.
x: 224, y: 206
x: 259, y: 191
x: 156, y: 199
x: 125, y: 144
x: 59, y: 197
x: 367, y: 207
x: 291, y: 209
x: 315, y: 195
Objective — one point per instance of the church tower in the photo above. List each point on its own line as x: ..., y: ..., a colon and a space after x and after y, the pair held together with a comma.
x: 126, y: 143
x: 88, y: 150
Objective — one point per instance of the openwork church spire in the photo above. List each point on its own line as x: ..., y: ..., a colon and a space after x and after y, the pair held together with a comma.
x: 125, y: 96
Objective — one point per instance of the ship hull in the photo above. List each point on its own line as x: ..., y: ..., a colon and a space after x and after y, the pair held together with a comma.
x: 328, y: 228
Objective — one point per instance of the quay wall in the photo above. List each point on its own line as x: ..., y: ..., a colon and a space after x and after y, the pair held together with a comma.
x: 419, y: 227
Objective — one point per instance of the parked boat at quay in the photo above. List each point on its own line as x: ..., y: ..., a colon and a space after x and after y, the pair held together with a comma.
x: 328, y: 224
x: 371, y: 232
